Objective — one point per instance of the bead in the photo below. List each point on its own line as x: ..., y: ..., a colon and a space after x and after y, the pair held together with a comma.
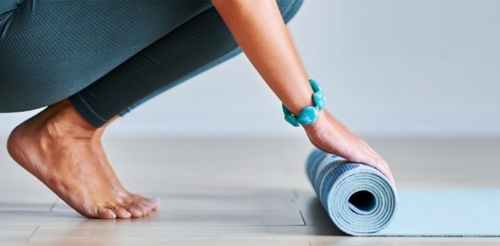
x: 319, y: 100
x: 285, y: 110
x: 315, y: 85
x: 308, y: 115
x: 292, y: 120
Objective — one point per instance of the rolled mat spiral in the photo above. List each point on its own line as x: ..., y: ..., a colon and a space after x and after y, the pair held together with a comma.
x: 362, y: 202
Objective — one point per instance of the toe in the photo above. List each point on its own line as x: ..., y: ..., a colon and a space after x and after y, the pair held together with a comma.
x: 155, y: 203
x: 147, y: 206
x: 106, y: 213
x: 136, y: 213
x: 152, y: 203
x: 122, y: 213
x: 144, y: 209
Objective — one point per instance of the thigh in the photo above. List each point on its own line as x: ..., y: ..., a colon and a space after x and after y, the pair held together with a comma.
x: 51, y: 49
x: 194, y: 47
x: 206, y: 33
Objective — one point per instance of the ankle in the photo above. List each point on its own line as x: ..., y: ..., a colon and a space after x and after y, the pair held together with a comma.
x: 64, y: 120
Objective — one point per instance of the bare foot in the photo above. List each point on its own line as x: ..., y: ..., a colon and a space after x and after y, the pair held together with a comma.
x: 110, y: 174
x: 55, y: 146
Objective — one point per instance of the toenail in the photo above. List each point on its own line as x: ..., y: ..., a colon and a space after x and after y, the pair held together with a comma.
x: 147, y: 204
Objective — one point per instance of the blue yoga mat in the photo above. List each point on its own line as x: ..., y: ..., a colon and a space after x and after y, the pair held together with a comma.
x: 362, y: 202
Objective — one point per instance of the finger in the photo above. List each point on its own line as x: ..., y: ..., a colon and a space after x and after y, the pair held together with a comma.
x: 380, y: 165
x: 387, y: 172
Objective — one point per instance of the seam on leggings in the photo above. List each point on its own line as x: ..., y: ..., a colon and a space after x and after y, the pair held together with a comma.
x: 12, y: 12
x: 9, y: 14
x: 32, y: 6
x: 85, y: 110
x: 6, y: 11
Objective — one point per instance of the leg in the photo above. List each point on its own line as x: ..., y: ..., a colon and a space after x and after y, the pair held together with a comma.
x: 107, y: 169
x: 60, y: 121
x: 194, y: 47
x: 167, y: 73
x: 41, y: 145
x: 56, y: 145
x: 49, y: 50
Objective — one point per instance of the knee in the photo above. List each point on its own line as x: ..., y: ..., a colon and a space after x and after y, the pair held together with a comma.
x: 18, y: 92
x: 31, y: 85
x: 289, y: 8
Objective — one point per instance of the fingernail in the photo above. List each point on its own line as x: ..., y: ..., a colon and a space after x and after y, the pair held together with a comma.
x: 154, y: 199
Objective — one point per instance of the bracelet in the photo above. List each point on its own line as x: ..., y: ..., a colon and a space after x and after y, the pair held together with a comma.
x: 309, y: 114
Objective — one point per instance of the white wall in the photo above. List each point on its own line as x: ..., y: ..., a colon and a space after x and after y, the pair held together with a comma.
x: 389, y: 68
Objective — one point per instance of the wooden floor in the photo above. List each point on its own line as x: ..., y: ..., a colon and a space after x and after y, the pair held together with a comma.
x: 233, y: 192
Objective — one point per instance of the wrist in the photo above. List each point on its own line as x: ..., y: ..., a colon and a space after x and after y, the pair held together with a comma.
x: 320, y: 122
x: 308, y: 115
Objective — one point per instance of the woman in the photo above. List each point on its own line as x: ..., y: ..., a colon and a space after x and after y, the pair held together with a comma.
x: 92, y: 61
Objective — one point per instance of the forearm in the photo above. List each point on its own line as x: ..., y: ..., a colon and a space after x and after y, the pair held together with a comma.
x: 261, y: 33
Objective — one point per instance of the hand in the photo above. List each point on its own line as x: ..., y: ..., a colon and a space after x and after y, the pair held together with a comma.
x: 331, y: 136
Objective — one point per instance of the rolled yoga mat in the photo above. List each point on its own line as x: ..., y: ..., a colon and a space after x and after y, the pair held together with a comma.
x: 362, y: 202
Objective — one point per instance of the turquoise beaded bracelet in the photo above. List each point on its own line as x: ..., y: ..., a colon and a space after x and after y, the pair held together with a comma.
x: 309, y: 114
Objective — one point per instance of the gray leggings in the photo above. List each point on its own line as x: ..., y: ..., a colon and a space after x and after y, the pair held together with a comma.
x: 107, y: 56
